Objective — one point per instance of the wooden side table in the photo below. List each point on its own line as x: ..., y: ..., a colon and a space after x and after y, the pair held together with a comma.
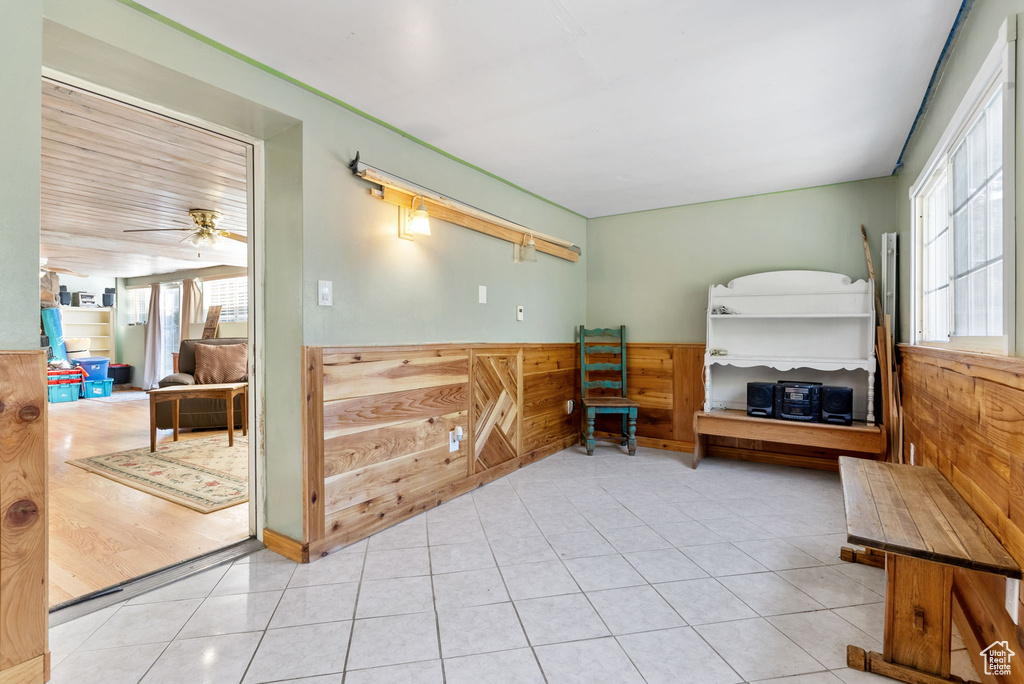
x: 227, y: 391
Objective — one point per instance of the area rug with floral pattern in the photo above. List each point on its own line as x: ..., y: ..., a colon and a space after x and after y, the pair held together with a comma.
x: 204, y: 474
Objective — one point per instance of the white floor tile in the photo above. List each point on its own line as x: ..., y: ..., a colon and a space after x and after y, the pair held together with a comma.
x: 397, y: 596
x: 460, y: 557
x: 769, y: 594
x: 377, y: 642
x: 231, y: 614
x: 310, y: 605
x: 824, y: 635
x: 426, y: 672
x: 471, y: 588
x: 664, y: 565
x: 633, y: 539
x: 687, y: 533
x: 479, y: 629
x: 252, y: 577
x: 396, y: 563
x: 737, y: 529
x: 334, y: 569
x: 676, y: 656
x: 597, y: 661
x: 719, y: 560
x: 603, y: 572
x: 505, y: 667
x: 560, y: 618
x: 69, y: 636
x: 702, y: 601
x: 870, y: 618
x: 197, y: 586
x: 830, y: 587
x: 580, y: 544
x: 634, y: 609
x: 515, y: 551
x: 534, y: 580
x: 211, y: 660
x: 305, y: 651
x: 146, y: 624
x: 757, y: 650
x: 124, y: 665
x: 777, y: 554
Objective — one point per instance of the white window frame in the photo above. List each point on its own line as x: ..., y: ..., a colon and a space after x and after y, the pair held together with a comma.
x: 242, y: 277
x: 999, y: 69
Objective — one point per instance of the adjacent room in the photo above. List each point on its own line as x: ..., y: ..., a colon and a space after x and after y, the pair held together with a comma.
x: 143, y: 233
x: 550, y: 342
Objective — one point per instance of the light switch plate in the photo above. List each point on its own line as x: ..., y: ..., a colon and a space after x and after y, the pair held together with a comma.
x: 453, y: 443
x: 325, y: 292
x: 519, y: 312
x: 483, y: 294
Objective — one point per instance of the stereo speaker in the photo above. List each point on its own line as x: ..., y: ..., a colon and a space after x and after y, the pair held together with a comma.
x: 837, y: 405
x: 760, y: 399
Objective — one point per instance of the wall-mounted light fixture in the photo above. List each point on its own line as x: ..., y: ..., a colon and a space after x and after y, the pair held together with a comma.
x: 413, y: 220
x: 416, y: 198
x: 526, y: 252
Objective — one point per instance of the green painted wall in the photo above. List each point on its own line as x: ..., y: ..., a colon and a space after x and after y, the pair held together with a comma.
x: 976, y: 40
x: 651, y: 270
x: 320, y: 221
x: 20, y: 57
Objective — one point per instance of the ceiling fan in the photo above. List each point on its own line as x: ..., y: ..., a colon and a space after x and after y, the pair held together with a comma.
x: 204, y: 230
x: 44, y: 269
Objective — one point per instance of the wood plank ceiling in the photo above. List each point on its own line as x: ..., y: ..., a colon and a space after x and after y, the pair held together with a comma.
x: 109, y: 167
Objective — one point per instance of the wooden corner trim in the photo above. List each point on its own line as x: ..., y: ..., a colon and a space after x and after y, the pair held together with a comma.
x: 286, y: 546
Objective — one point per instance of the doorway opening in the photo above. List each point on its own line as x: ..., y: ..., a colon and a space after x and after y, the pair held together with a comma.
x: 148, y: 236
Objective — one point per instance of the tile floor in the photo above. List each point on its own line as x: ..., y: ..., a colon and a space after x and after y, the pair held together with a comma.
x: 575, y: 569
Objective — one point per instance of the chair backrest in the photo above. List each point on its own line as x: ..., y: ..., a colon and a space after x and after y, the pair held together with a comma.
x: 609, y: 341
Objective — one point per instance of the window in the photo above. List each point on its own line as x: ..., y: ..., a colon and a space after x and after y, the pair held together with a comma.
x: 138, y: 305
x: 170, y: 312
x: 230, y: 293
x: 963, y: 227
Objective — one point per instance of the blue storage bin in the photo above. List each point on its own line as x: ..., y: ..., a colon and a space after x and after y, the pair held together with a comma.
x: 97, y: 388
x: 60, y: 393
x: 95, y: 367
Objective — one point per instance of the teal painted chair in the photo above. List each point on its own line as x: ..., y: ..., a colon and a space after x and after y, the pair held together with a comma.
x: 606, y: 341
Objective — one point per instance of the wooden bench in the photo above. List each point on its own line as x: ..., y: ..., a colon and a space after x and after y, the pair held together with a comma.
x: 925, y: 529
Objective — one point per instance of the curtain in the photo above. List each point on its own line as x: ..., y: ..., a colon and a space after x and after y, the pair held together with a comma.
x: 191, y: 306
x: 154, y: 340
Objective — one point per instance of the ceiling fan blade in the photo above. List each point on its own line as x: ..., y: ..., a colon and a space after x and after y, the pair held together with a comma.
x: 65, y: 272
x: 154, y: 230
x: 235, y: 236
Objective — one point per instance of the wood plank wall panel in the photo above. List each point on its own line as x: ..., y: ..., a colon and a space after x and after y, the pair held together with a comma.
x: 497, y: 407
x: 381, y: 432
x: 964, y: 414
x: 667, y: 381
x: 23, y: 526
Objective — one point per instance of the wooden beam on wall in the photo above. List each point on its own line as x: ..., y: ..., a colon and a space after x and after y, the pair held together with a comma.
x: 445, y: 213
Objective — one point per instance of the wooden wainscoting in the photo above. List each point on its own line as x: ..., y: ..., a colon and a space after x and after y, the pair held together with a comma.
x: 666, y: 380
x: 377, y: 422
x: 24, y: 656
x: 964, y: 414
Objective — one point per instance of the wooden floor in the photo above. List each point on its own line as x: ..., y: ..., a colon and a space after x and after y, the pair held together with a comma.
x: 102, y: 532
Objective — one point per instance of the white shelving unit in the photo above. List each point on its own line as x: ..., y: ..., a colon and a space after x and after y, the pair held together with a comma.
x: 96, y: 323
x: 808, y: 326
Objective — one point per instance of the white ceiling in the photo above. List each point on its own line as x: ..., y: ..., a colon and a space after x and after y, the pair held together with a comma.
x: 108, y: 167
x: 607, y: 106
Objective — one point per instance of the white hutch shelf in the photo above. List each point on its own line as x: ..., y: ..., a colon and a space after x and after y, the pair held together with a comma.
x: 810, y: 326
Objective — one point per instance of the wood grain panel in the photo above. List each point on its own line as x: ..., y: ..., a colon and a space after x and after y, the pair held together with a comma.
x: 347, y: 416
x: 387, y: 412
x: 964, y: 415
x: 23, y: 527
x: 497, y: 410
x: 410, y: 371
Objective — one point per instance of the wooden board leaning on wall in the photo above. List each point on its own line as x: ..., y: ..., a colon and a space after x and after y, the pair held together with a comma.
x: 377, y: 421
x: 964, y: 414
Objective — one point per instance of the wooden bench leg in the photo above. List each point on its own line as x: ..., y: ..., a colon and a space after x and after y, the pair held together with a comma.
x: 591, y: 415
x: 918, y: 622
x: 631, y: 434
x: 875, y: 559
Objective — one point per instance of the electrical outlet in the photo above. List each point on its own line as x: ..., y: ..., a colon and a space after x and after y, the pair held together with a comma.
x: 483, y: 294
x: 1013, y: 599
x: 912, y: 454
x: 569, y: 406
x: 519, y: 312
x: 325, y: 292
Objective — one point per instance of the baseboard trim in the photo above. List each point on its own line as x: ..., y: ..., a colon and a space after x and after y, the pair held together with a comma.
x: 32, y: 671
x: 649, y: 442
x: 286, y: 546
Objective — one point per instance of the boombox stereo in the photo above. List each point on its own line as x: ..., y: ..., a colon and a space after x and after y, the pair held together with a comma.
x: 803, y: 401
x: 798, y: 401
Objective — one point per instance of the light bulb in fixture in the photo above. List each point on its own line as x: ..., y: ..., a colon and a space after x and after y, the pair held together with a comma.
x: 419, y: 220
x: 526, y: 252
